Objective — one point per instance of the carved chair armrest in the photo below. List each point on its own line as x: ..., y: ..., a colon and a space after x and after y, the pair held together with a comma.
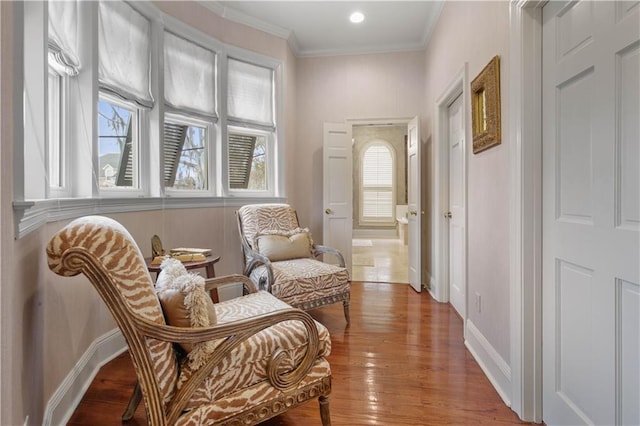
x: 319, y: 249
x: 256, y: 259
x: 234, y: 334
x: 247, y: 285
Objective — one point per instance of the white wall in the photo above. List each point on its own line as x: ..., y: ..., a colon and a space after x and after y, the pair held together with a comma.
x: 474, y: 32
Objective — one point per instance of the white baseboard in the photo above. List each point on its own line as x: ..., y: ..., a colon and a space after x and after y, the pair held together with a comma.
x: 66, y: 398
x: 494, y: 366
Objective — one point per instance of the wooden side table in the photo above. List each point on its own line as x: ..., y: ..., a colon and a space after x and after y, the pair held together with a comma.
x: 208, y: 264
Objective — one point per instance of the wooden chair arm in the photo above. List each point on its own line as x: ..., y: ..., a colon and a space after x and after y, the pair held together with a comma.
x: 320, y: 249
x: 234, y: 334
x: 256, y: 259
x: 247, y: 285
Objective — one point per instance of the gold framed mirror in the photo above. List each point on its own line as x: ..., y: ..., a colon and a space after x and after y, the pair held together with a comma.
x: 485, y: 107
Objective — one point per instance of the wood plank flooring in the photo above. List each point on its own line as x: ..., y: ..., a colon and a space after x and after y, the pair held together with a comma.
x: 401, y: 362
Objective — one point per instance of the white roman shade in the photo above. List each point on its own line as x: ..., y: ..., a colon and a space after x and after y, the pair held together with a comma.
x: 250, y: 95
x: 189, y: 77
x: 63, y: 36
x: 124, y: 52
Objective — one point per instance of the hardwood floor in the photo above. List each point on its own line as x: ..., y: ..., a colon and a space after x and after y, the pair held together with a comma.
x: 401, y: 362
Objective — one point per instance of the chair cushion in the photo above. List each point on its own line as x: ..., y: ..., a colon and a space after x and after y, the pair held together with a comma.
x: 283, y: 245
x: 301, y: 280
x: 184, y: 301
x: 247, y: 365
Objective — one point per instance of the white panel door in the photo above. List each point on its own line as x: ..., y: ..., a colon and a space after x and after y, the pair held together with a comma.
x: 413, y: 200
x: 337, y: 192
x: 456, y: 214
x: 591, y: 213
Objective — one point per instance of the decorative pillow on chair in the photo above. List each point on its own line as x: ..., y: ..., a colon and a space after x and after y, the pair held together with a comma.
x: 284, y: 245
x: 185, y: 303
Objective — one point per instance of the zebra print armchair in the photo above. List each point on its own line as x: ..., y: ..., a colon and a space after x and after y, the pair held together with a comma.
x: 281, y: 258
x: 266, y: 357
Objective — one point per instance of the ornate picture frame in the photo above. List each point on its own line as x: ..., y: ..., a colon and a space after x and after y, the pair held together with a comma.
x: 485, y: 107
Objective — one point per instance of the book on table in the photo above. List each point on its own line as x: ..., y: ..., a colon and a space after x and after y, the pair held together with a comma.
x: 190, y: 250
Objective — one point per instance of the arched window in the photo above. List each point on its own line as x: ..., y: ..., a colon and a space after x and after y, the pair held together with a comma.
x: 377, y: 183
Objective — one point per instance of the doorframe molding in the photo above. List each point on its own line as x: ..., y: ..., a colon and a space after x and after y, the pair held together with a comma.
x: 525, y: 207
x: 440, y: 288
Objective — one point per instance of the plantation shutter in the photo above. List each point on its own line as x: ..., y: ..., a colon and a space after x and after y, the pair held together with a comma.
x: 241, y: 149
x: 377, y: 183
x: 125, y: 169
x: 174, y: 137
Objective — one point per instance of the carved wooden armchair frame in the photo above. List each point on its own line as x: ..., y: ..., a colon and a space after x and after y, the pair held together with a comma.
x: 69, y: 258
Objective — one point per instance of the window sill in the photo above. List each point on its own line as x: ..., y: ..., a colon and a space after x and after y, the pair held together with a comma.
x: 31, y: 215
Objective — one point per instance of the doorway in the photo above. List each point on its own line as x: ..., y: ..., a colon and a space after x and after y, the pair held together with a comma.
x: 380, y: 250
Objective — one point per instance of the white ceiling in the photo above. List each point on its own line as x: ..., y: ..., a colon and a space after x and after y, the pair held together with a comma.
x: 317, y: 28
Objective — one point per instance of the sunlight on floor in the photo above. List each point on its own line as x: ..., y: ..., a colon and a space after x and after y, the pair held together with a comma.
x: 380, y: 260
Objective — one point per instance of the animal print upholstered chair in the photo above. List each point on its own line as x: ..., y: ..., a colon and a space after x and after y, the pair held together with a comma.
x: 281, y: 258
x: 260, y: 357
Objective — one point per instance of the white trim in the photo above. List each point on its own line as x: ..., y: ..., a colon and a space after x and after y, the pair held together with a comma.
x: 525, y: 201
x: 492, y: 364
x: 66, y: 398
x: 440, y: 164
x: 30, y: 215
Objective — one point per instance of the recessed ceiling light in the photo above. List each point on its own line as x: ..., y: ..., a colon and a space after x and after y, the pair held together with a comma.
x: 356, y: 17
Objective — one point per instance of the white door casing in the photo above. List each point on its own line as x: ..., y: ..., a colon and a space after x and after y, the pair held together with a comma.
x: 456, y: 214
x: 591, y: 213
x: 337, y: 189
x: 414, y: 207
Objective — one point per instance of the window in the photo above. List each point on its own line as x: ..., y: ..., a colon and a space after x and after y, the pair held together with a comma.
x: 117, y: 144
x: 115, y: 112
x: 248, y: 161
x: 377, y: 183
x: 250, y: 98
x: 185, y: 154
x: 55, y: 117
x: 189, y: 83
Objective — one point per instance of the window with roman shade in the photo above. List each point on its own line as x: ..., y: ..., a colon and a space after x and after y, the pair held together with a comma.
x: 250, y: 100
x: 190, y: 93
x: 376, y: 196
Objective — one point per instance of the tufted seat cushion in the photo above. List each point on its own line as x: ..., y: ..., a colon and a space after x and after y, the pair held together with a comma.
x: 246, y: 366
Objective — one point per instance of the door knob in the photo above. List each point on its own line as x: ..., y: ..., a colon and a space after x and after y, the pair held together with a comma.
x: 447, y: 215
x: 328, y: 211
x: 413, y: 213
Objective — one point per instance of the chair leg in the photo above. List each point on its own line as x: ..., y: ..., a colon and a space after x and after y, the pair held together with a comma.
x: 345, y: 304
x: 324, y: 411
x: 134, y: 401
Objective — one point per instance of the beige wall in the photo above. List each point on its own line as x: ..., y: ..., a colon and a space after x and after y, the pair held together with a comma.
x: 474, y: 32
x: 48, y: 322
x: 333, y: 89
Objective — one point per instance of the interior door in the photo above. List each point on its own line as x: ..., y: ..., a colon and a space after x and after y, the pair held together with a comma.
x: 456, y: 214
x: 413, y: 200
x: 591, y: 213
x: 337, y: 194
